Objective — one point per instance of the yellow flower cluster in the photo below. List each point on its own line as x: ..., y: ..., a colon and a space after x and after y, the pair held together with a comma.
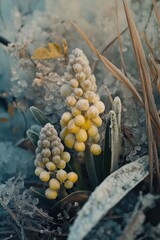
x: 51, y: 161
x: 81, y: 124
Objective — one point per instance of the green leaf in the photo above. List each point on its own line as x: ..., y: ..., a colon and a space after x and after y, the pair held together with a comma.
x: 81, y: 183
x: 90, y: 166
x: 79, y: 196
x: 98, y: 166
x: 106, y: 162
x: 39, y: 116
x: 33, y: 137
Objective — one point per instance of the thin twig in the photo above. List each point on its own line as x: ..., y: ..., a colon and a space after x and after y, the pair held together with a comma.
x: 45, y: 231
x: 148, y: 43
x: 1, y: 15
x: 4, y: 41
x: 94, y: 65
x: 15, y: 220
x: 109, y: 94
x: 149, y: 102
x: 150, y: 13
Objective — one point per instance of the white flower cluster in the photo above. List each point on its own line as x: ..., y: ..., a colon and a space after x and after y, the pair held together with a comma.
x: 51, y: 161
x: 48, y: 83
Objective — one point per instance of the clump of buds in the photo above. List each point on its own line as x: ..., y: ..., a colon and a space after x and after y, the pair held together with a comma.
x: 81, y: 124
x: 51, y: 160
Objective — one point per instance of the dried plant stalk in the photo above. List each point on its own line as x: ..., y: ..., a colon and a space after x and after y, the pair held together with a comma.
x: 156, y: 11
x: 149, y: 102
x: 155, y: 71
x: 115, y: 119
x: 119, y: 39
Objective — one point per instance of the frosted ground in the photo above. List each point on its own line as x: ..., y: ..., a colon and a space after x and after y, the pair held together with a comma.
x: 34, y: 24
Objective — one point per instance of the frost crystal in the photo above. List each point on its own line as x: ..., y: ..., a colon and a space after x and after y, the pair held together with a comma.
x: 13, y: 160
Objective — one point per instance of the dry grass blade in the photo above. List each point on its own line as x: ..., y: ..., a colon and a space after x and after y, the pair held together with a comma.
x: 155, y: 71
x: 142, y: 66
x: 94, y: 65
x: 114, y: 70
x: 149, y: 102
x: 148, y: 43
x: 156, y: 11
x: 113, y: 41
x: 109, y: 94
x: 119, y: 39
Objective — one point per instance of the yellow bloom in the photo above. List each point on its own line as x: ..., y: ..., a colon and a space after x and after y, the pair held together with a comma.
x: 65, y: 156
x: 96, y: 138
x: 81, y: 136
x: 69, y: 140
x: 92, y: 112
x: 82, y: 104
x: 44, y: 176
x: 50, y: 194
x: 72, y: 127
x: 100, y: 105
x: 92, y: 131
x: 96, y: 149
x: 61, y: 175
x: 71, y: 101
x: 64, y: 132
x: 38, y: 170
x: 66, y: 117
x: 79, y: 146
x: 72, y: 176
x: 75, y: 111
x: 51, y: 166
x: 74, y: 83
x: 61, y: 164
x: 97, y: 121
x: 63, y: 123
x: 79, y: 120
x: 87, y: 124
x: 68, y: 184
x: 54, y: 184
x: 78, y: 92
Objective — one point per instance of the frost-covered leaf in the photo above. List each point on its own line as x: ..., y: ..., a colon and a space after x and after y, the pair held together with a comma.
x: 14, y: 159
x: 36, y: 128
x: 33, y: 137
x: 107, y: 195
x: 52, y: 51
x: 39, y: 116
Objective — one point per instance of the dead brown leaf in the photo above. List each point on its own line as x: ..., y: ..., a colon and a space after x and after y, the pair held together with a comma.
x: 53, y: 50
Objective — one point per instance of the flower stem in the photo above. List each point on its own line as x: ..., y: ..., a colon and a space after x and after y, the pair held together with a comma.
x: 90, y: 166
